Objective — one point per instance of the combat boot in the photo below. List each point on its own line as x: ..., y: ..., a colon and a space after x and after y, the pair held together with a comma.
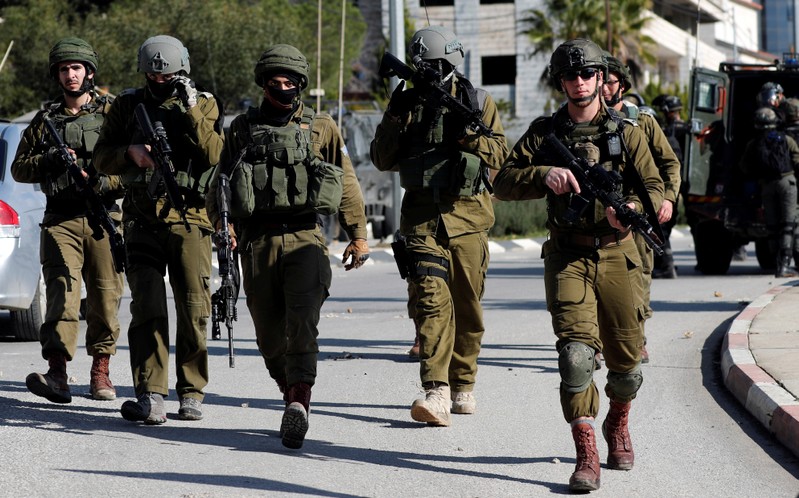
x: 100, y: 385
x: 294, y: 425
x: 52, y: 385
x: 283, y: 386
x: 586, y: 473
x: 614, y: 429
x: 784, y: 269
x: 435, y: 407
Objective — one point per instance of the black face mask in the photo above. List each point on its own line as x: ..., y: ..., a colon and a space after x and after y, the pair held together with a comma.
x: 285, y: 97
x: 160, y: 91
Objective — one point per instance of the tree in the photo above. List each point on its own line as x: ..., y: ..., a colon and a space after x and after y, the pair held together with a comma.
x: 224, y: 39
x: 561, y: 20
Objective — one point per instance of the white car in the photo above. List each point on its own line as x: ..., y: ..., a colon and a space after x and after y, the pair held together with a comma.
x: 22, y: 206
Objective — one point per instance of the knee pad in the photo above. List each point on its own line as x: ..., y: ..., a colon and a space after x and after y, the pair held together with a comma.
x: 576, y: 366
x: 625, y: 385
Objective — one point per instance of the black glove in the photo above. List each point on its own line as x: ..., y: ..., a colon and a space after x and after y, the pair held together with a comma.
x: 401, y: 101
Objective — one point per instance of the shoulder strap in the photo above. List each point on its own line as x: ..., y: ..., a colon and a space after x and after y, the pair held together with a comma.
x: 634, y: 177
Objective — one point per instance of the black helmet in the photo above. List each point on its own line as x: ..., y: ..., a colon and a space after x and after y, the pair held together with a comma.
x: 615, y: 66
x: 766, y: 119
x: 279, y: 59
x: 436, y: 42
x: 574, y: 55
x: 163, y: 54
x: 73, y: 49
x: 667, y: 103
x: 635, y: 98
x: 769, y: 94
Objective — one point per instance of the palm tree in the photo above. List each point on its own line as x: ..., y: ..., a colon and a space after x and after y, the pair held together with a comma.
x: 561, y: 20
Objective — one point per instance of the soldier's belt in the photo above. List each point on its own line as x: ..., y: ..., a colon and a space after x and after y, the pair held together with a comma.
x: 594, y: 242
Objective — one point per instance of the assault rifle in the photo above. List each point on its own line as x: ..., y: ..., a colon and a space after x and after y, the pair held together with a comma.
x: 223, y: 301
x: 164, y: 173
x: 598, y: 183
x: 96, y: 213
x: 426, y: 79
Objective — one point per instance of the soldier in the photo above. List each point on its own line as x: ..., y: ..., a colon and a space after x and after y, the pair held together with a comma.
x: 284, y: 257
x: 69, y: 251
x: 445, y: 222
x: 592, y: 268
x: 157, y: 239
x: 619, y: 81
x: 772, y: 157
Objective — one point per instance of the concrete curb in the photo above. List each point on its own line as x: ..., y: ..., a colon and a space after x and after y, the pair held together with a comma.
x: 765, y: 398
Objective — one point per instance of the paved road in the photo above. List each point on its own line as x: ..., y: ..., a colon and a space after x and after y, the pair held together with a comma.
x: 692, y: 437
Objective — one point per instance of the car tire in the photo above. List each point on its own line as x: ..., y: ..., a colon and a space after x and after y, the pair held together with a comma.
x: 713, y: 246
x: 26, y: 323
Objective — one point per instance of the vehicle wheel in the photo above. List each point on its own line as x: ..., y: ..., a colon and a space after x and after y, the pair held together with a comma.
x: 713, y: 245
x: 26, y: 323
x: 766, y: 257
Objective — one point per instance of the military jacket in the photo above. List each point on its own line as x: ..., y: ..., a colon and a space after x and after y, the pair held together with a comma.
x: 195, y: 143
x: 79, y: 132
x: 665, y: 158
x: 523, y: 174
x: 328, y: 145
x: 761, y: 149
x: 424, y: 210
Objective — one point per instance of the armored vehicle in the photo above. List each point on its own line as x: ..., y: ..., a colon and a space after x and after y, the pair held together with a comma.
x: 722, y: 205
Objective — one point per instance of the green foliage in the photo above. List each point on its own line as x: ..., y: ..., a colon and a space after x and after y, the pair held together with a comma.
x: 561, y: 20
x: 514, y: 218
x: 652, y: 90
x: 224, y: 39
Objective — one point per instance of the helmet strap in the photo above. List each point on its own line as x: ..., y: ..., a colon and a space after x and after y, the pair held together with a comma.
x: 615, y: 99
x: 86, y: 86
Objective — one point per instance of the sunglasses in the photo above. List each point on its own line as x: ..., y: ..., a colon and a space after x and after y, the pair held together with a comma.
x: 585, y: 74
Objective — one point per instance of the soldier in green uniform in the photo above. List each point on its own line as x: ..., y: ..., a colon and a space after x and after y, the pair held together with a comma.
x: 592, y: 268
x: 618, y: 82
x: 288, y: 165
x: 68, y: 250
x: 158, y: 240
x: 446, y: 215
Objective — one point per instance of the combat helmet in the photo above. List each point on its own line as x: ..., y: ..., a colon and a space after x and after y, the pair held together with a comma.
x: 766, y: 119
x: 163, y: 54
x: 281, y: 58
x: 436, y: 42
x: 616, y: 66
x: 574, y: 55
x: 73, y: 49
x: 667, y: 103
x: 769, y: 94
x: 791, y: 110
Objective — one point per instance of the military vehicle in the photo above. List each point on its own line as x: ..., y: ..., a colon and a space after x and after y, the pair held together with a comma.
x: 722, y: 205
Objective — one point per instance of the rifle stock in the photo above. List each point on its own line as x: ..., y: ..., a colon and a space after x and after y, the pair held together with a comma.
x: 602, y: 184
x: 155, y: 136
x: 96, y: 213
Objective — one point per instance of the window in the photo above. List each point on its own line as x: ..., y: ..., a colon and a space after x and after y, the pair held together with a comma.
x: 436, y: 3
x: 499, y: 70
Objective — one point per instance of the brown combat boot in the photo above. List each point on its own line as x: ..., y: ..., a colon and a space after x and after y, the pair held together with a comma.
x: 52, y: 385
x: 614, y: 429
x: 413, y: 353
x: 99, y: 384
x: 283, y: 386
x: 586, y: 473
x: 294, y: 425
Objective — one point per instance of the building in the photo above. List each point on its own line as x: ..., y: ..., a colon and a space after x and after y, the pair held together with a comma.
x: 687, y: 33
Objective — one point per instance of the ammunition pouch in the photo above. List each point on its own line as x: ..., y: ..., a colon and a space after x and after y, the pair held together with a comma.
x: 459, y: 175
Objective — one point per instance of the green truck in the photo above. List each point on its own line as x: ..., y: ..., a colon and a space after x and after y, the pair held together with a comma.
x: 722, y: 205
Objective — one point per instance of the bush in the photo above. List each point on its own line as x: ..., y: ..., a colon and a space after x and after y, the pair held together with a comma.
x: 519, y: 218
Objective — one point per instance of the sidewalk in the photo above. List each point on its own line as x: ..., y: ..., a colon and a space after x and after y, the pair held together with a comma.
x: 760, y: 361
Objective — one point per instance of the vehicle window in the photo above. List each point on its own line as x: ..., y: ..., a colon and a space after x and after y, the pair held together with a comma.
x: 706, y: 96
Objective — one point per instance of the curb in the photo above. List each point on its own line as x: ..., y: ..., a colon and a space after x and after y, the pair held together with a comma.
x: 761, y: 395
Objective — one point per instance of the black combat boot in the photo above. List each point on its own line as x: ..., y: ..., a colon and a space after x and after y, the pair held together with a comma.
x: 52, y: 385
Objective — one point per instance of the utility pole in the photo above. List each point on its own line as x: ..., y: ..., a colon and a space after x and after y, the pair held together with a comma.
x: 608, y: 27
x: 341, y: 63
x: 318, y: 90
x: 397, y: 47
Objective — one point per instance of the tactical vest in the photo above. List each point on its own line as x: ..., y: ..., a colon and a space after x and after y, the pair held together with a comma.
x: 773, y: 159
x: 80, y: 133
x: 429, y: 160
x: 279, y: 172
x: 171, y: 114
x: 607, y: 137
